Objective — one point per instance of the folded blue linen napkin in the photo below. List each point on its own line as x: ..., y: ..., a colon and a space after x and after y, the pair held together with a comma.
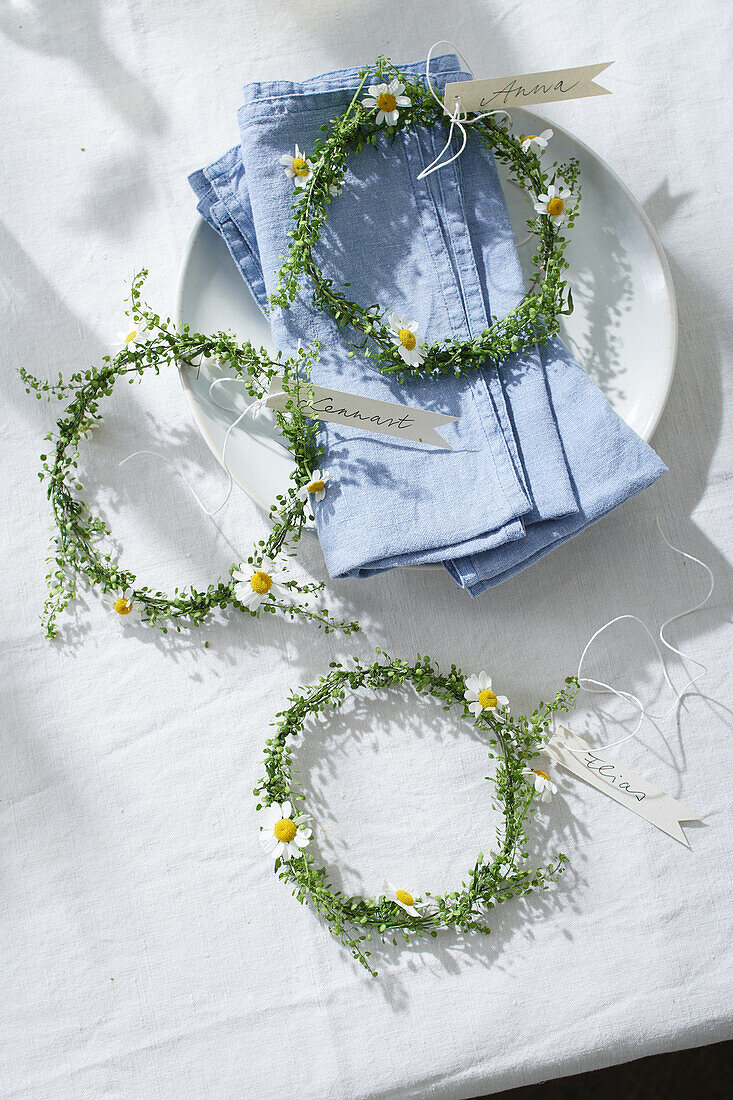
x: 440, y: 250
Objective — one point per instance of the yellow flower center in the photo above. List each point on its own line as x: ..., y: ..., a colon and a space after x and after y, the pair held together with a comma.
x: 300, y: 166
x: 131, y: 336
x: 487, y: 698
x: 530, y: 137
x: 285, y: 829
x: 404, y: 897
x: 386, y: 101
x: 316, y: 486
x: 544, y: 775
x: 123, y: 606
x: 407, y: 338
x: 261, y: 582
x: 555, y: 206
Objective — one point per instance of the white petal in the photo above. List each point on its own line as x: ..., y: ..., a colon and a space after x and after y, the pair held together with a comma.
x: 286, y: 809
x: 392, y: 117
x: 403, y: 101
x: 251, y: 599
x: 380, y: 117
x: 320, y: 495
x: 301, y: 841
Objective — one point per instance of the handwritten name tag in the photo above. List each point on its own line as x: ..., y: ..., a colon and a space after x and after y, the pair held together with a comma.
x: 382, y: 417
x: 621, y: 784
x: 521, y: 91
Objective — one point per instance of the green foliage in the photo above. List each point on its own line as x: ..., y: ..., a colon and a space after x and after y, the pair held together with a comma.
x: 492, y: 879
x: 80, y: 552
x: 533, y: 321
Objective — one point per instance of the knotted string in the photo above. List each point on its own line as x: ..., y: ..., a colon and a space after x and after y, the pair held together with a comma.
x: 255, y: 407
x: 599, y: 687
x: 457, y: 119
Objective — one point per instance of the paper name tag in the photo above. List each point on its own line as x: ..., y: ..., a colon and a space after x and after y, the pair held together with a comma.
x: 619, y: 783
x: 353, y: 411
x: 521, y: 91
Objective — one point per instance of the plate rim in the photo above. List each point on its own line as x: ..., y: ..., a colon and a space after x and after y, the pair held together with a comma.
x: 673, y: 324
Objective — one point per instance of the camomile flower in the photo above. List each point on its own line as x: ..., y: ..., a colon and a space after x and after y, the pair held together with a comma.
x: 254, y: 582
x: 407, y: 338
x: 385, y: 99
x: 126, y: 339
x: 480, y: 697
x: 539, y: 141
x: 552, y: 203
x: 123, y: 604
x: 297, y: 167
x: 284, y: 834
x: 403, y: 898
x: 316, y: 486
x: 543, y: 785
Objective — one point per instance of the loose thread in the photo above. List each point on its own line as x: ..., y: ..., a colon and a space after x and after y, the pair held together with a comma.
x: 599, y: 687
x: 457, y: 119
x: 255, y: 407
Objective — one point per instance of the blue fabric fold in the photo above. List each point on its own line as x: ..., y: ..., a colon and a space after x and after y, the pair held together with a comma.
x: 538, y: 454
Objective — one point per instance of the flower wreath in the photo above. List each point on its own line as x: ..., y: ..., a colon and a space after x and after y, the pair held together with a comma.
x: 263, y: 583
x: 286, y: 831
x: 394, y: 103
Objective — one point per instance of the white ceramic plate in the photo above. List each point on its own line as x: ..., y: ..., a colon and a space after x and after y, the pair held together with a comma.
x: 623, y: 329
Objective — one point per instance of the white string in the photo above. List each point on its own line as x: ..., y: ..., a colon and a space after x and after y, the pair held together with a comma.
x: 456, y: 118
x: 255, y: 407
x: 599, y: 687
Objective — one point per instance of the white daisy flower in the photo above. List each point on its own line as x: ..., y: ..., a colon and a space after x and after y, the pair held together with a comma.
x: 480, y: 697
x: 316, y: 486
x: 284, y: 834
x: 403, y: 898
x: 297, y: 167
x: 254, y: 582
x: 538, y: 140
x: 385, y: 99
x: 543, y: 785
x: 126, y: 339
x: 552, y: 203
x: 407, y: 338
x: 123, y: 604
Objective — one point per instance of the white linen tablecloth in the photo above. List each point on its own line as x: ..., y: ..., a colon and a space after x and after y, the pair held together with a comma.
x: 147, y: 950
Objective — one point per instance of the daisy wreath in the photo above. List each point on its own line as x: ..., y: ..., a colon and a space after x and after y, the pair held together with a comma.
x: 79, y: 548
x: 286, y: 830
x: 393, y: 102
